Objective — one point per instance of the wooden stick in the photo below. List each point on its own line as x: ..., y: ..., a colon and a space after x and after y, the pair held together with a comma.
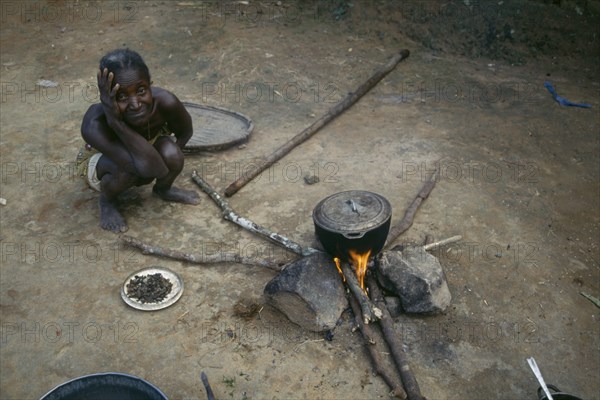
x: 229, y: 214
x: 209, y: 393
x: 369, y: 337
x: 199, y: 259
x: 444, y: 242
x: 409, y: 215
x: 369, y: 311
x: 387, y: 327
x: 338, y: 109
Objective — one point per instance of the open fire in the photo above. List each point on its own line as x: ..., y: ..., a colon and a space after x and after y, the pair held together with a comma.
x: 359, y: 262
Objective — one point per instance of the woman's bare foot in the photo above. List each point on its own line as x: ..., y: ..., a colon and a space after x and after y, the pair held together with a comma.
x: 110, y: 218
x: 177, y: 195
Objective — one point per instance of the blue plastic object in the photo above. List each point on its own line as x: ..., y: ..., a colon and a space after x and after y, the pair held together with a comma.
x: 561, y: 100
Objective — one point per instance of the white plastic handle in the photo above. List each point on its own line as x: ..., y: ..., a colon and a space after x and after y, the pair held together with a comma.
x: 538, y: 375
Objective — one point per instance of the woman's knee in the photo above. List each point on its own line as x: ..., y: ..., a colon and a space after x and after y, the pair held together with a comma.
x: 171, y: 153
x: 118, y: 177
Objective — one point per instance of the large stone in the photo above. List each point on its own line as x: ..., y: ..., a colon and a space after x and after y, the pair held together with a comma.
x: 310, y: 292
x: 394, y: 306
x: 416, y: 277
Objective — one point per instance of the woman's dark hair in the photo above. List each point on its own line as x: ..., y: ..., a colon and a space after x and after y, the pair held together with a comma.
x: 120, y: 59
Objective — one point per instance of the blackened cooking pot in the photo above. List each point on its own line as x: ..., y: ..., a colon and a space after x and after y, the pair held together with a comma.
x: 556, y: 394
x: 103, y: 386
x: 353, y: 220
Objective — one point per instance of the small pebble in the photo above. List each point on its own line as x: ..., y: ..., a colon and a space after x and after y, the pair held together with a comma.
x: 311, y: 179
x: 46, y: 83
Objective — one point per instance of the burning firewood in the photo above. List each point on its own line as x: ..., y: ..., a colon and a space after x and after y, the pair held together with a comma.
x: 369, y: 311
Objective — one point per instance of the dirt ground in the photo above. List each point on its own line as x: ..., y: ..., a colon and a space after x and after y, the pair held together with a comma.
x: 519, y: 180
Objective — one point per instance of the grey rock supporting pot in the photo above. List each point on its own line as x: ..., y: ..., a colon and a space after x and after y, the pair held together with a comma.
x: 353, y: 220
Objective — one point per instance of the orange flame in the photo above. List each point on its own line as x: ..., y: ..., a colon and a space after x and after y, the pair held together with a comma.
x: 339, y: 268
x: 360, y: 265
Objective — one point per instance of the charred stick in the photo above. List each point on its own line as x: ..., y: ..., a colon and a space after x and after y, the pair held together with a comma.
x: 199, y: 259
x: 229, y: 214
x: 428, y: 239
x: 209, y: 393
x: 338, y: 109
x: 387, y: 327
x: 409, y: 215
x: 369, y: 337
x: 369, y: 311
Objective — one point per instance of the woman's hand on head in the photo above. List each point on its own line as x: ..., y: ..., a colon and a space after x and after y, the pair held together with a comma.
x: 108, y: 96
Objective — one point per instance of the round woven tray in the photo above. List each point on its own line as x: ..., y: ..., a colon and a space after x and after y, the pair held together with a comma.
x: 216, y: 128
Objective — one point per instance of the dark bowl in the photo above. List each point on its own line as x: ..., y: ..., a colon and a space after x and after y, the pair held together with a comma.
x: 103, y: 386
x: 556, y: 394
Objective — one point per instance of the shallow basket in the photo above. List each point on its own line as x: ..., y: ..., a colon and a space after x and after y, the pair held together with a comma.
x: 216, y: 128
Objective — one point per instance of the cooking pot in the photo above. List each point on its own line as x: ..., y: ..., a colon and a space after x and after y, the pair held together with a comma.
x: 556, y: 394
x: 102, y: 386
x: 353, y: 220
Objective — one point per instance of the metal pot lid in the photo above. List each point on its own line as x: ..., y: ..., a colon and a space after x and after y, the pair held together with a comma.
x: 352, y: 211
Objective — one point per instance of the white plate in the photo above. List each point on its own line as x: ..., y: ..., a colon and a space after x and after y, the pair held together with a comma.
x: 172, y: 297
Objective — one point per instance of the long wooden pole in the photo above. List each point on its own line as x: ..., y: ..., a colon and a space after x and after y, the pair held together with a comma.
x: 339, y: 108
x: 205, y: 259
x: 229, y: 214
x: 409, y: 214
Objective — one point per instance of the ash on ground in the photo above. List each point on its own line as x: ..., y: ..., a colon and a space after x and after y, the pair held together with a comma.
x: 152, y: 288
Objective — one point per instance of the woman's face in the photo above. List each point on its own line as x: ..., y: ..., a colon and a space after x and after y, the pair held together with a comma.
x: 134, y: 97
